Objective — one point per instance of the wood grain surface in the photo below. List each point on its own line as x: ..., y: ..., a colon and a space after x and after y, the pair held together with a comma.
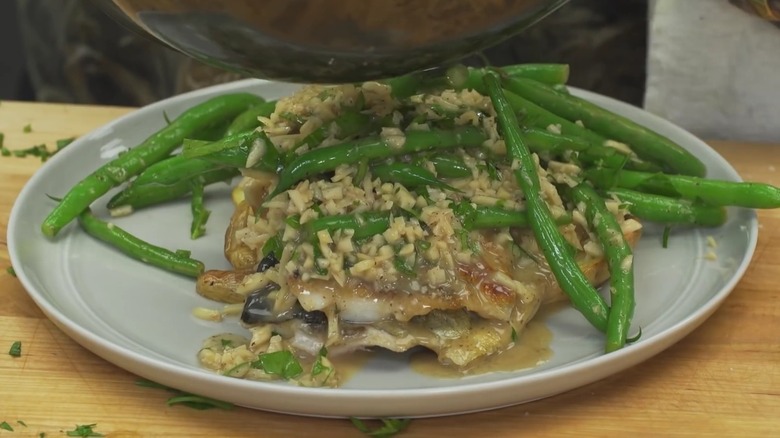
x: 721, y: 381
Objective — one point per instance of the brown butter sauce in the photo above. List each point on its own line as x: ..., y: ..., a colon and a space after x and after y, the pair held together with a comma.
x: 531, y: 349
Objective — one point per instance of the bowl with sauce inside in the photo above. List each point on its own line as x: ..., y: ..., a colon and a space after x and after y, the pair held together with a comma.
x: 329, y: 41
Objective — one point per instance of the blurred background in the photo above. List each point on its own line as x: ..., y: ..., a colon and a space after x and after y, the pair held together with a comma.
x: 68, y: 51
x: 706, y: 65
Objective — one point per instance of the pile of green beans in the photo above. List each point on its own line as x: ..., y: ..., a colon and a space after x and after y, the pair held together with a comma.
x: 552, y: 243
x: 154, y: 149
x: 654, y: 179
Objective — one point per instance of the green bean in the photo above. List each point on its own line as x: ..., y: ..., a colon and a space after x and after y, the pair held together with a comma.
x: 462, y: 77
x: 248, y: 120
x: 448, y: 166
x: 167, y: 172
x: 325, y: 159
x: 210, y: 134
x: 139, y: 249
x: 533, y: 115
x: 646, y: 143
x: 550, y: 74
x: 371, y: 223
x: 620, y: 260
x: 541, y: 141
x: 568, y: 274
x: 709, y: 191
x: 140, y: 196
x: 231, y: 152
x: 497, y: 217
x: 177, y: 170
x: 236, y: 151
x: 669, y: 211
x: 152, y: 150
x: 410, y: 84
x: 409, y: 176
x: 200, y: 215
x: 365, y: 224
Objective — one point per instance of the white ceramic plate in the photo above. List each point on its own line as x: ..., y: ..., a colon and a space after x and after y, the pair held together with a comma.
x: 139, y: 317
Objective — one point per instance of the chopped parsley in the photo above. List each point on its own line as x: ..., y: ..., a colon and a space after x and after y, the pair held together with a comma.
x: 422, y: 245
x: 10, y: 271
x: 291, y: 118
x: 273, y: 246
x: 514, y: 335
x: 388, y: 428
x: 41, y: 151
x: 491, y: 170
x: 635, y: 338
x: 22, y: 423
x: 6, y: 426
x: 186, y: 399
x: 294, y: 221
x: 27, y: 128
x: 16, y: 349
x: 282, y: 363
x: 318, y: 210
x: 61, y: 143
x: 318, y: 269
x: 226, y: 343
x: 34, y: 151
x: 319, y: 368
x: 665, y: 238
x: 84, y: 430
x: 403, y: 268
x: 466, y: 214
x: 198, y: 402
x: 466, y: 242
x: 523, y: 252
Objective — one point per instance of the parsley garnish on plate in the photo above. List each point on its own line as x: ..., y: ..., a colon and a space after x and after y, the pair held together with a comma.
x: 6, y: 426
x: 10, y: 271
x: 27, y: 128
x: 388, y: 428
x: 319, y: 367
x: 282, y: 363
x: 665, y: 238
x: 16, y: 349
x: 61, y: 143
x: 84, y: 430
